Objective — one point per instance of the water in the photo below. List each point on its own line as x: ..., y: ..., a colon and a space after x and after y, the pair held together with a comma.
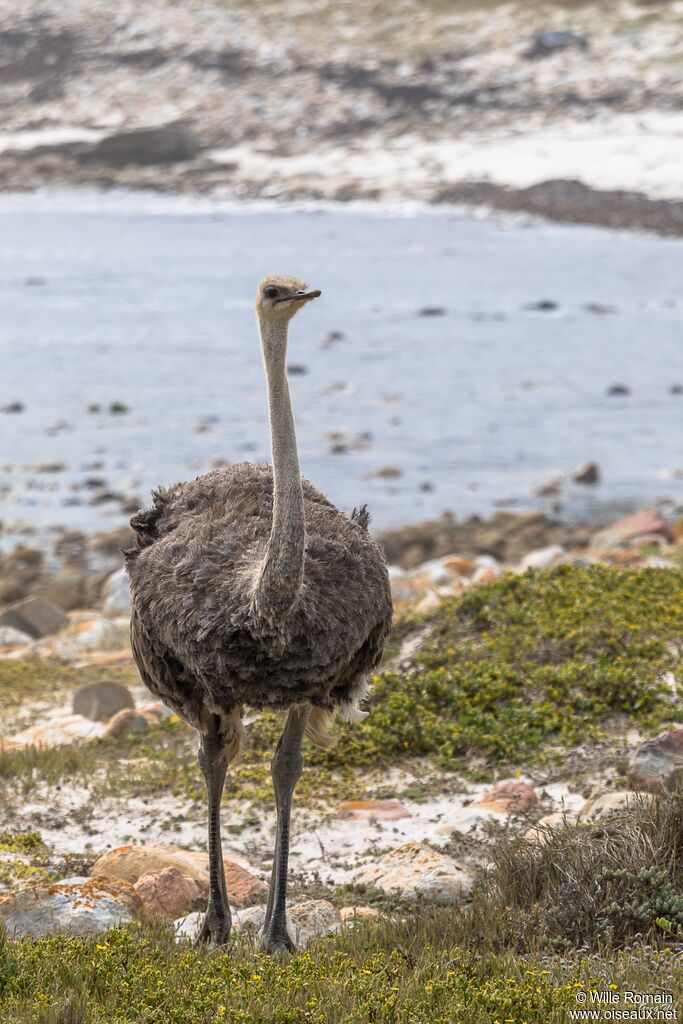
x: 149, y: 302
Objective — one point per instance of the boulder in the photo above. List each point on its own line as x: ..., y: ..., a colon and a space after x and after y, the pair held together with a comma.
x: 68, y: 590
x: 11, y: 638
x: 588, y: 473
x: 539, y: 833
x: 646, y: 522
x: 126, y: 721
x: 82, y: 908
x: 36, y: 616
x: 166, y: 893
x: 509, y: 797
x: 130, y: 863
x: 161, y: 145
x: 657, y: 764
x: 91, y: 633
x: 377, y: 810
x: 101, y: 701
x: 116, y: 594
x: 601, y: 805
x: 543, y: 558
x: 306, y: 920
x: 415, y: 869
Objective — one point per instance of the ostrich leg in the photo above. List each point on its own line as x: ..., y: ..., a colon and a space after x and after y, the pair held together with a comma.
x: 286, y: 768
x: 212, y: 760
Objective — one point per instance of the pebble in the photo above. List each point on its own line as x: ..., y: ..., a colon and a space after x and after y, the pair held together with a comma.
x: 588, y: 473
x: 415, y: 869
x: 642, y: 523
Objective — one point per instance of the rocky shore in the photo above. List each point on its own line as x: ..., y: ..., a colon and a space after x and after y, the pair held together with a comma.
x: 571, y: 113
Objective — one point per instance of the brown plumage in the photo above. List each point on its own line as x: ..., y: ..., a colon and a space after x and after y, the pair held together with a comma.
x: 250, y: 588
x: 195, y: 638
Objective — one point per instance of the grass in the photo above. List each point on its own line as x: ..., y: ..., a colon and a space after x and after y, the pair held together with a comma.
x: 596, y: 885
x: 516, y: 672
x: 395, y: 972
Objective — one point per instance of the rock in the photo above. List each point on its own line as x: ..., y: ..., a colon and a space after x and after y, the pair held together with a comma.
x: 509, y: 797
x: 643, y: 523
x: 459, y: 565
x: 350, y: 915
x: 409, y: 588
x: 540, y: 833
x: 310, y: 918
x: 618, y: 390
x: 81, y: 909
x: 588, y: 473
x: 59, y: 732
x: 125, y: 721
x: 68, y: 590
x: 20, y: 571
x: 677, y: 531
x: 163, y: 145
x: 431, y: 311
x: 306, y: 920
x: 296, y: 369
x: 13, y: 407
x: 92, y: 633
x: 656, y: 765
x: 429, y: 603
x: 377, y: 810
x: 604, y: 803
x: 542, y: 306
x: 676, y: 389
x: 189, y: 927
x: 543, y: 558
x: 101, y: 701
x: 551, y: 41
x: 166, y: 893
x: 486, y: 574
x: 415, y: 869
x: 388, y: 473
x: 118, y: 408
x: 599, y: 308
x: 11, y: 638
x: 132, y: 862
x: 36, y: 616
x: 116, y: 594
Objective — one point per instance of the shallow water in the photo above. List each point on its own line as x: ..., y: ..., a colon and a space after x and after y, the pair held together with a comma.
x: 148, y: 302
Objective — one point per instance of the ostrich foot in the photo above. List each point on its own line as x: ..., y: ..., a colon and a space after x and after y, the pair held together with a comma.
x: 276, y: 943
x: 215, y: 930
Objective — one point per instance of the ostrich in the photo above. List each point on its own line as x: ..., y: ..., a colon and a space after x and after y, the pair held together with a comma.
x: 250, y: 588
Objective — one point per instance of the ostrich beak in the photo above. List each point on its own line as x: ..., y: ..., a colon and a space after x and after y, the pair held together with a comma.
x: 301, y: 296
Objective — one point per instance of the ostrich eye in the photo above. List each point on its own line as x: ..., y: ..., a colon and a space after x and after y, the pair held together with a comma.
x: 271, y: 292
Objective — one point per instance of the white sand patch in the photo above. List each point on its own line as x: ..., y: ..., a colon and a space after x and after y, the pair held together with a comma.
x: 635, y: 151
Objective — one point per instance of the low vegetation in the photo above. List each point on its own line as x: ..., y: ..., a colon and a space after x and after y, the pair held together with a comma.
x: 514, y: 673
x: 396, y: 972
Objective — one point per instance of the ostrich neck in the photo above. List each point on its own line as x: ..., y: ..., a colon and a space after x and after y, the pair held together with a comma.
x: 281, y: 572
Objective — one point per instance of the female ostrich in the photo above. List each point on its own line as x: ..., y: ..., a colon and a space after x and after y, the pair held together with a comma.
x: 250, y: 587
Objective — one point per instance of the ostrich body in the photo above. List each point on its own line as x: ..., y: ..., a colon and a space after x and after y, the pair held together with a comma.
x: 250, y: 588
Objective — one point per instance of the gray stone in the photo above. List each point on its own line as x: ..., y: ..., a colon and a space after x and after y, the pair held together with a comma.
x: 166, y: 144
x: 36, y: 616
x: 81, y: 909
x: 101, y: 701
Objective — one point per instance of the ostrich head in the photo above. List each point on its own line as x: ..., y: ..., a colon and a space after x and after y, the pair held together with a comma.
x: 279, y: 298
